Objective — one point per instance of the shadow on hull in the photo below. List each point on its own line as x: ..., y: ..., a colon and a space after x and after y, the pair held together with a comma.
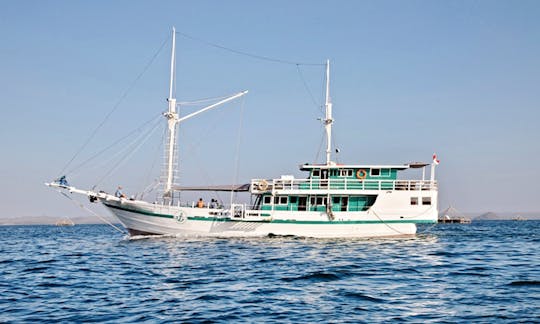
x: 134, y: 232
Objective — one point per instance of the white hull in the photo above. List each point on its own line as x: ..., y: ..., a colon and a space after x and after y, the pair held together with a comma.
x: 146, y: 219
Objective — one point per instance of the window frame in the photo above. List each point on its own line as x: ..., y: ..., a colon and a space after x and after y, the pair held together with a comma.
x: 281, y: 200
x: 374, y: 175
x: 346, y: 172
x: 317, y: 200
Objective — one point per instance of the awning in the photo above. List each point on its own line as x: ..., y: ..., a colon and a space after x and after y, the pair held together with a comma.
x: 416, y: 165
x: 236, y: 188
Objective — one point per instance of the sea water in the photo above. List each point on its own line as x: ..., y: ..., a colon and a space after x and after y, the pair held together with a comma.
x: 480, y: 272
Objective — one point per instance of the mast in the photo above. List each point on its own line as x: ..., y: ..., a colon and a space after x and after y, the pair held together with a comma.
x: 328, y: 118
x: 171, y: 155
x: 172, y: 121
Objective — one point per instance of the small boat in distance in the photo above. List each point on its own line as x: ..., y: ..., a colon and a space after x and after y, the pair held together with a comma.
x: 333, y: 200
x: 453, y: 216
x: 65, y: 222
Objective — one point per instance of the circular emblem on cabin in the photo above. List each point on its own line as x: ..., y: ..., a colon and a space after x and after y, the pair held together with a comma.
x: 361, y: 174
x: 180, y: 217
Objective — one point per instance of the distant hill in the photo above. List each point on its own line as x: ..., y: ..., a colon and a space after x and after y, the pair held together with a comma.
x: 489, y: 216
x: 506, y: 216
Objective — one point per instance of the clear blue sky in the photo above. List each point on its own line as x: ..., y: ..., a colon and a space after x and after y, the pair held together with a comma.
x: 409, y: 78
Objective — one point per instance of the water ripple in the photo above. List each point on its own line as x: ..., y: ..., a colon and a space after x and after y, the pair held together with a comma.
x: 482, y: 272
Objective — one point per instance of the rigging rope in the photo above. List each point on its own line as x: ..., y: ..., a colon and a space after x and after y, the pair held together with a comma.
x: 239, y: 141
x: 259, y: 57
x: 92, y: 212
x: 318, y: 105
x: 95, y: 155
x: 385, y: 223
x: 192, y: 149
x: 336, y: 148
x: 320, y: 148
x: 156, y: 155
x: 109, y: 158
x: 124, y: 95
x: 130, y: 152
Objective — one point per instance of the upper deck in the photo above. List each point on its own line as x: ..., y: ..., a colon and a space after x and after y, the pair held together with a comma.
x: 259, y: 186
x: 345, y: 178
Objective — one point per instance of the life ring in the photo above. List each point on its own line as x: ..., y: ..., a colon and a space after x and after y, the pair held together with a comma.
x: 262, y: 185
x: 361, y: 174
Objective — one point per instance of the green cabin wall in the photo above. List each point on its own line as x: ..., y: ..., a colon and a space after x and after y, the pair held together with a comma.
x: 386, y: 174
x: 353, y: 203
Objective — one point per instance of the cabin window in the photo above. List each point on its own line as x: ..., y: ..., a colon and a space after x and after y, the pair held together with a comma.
x: 344, y: 203
x: 267, y: 200
x: 302, y: 203
x: 318, y: 201
x: 316, y: 173
x: 414, y: 200
x: 375, y: 172
x: 335, y: 200
x: 346, y: 172
x: 293, y: 199
x: 280, y: 200
x: 334, y: 173
x: 324, y: 174
x: 426, y: 200
x: 385, y: 172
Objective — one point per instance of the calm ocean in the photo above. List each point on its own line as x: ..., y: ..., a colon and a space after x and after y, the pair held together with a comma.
x: 482, y: 272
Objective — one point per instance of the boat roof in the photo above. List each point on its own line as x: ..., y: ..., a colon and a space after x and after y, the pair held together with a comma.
x: 307, y: 167
x: 416, y: 165
x: 236, y: 188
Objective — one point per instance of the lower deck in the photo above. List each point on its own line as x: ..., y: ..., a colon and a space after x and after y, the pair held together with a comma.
x: 184, y: 222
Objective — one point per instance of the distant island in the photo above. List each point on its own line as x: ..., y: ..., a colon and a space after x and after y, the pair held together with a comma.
x: 507, y: 216
x: 490, y: 216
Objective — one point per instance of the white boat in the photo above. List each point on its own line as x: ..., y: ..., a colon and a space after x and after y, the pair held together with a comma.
x: 333, y: 200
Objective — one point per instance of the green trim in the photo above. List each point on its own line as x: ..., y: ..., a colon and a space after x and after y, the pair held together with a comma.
x: 140, y: 211
x: 211, y: 219
x: 287, y: 221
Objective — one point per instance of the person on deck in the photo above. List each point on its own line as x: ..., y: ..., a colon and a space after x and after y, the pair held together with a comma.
x: 62, y: 181
x: 200, y: 203
x: 213, y: 203
x: 119, y: 193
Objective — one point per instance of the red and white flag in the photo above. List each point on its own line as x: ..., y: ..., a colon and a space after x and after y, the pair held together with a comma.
x: 435, y: 160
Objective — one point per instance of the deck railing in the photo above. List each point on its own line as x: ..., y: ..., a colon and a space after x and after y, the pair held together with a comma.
x: 263, y: 185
